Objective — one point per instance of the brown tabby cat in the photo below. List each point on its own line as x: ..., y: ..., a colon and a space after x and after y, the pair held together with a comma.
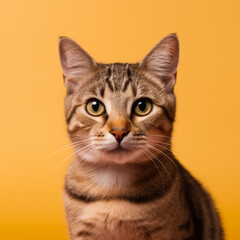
x: 124, y: 183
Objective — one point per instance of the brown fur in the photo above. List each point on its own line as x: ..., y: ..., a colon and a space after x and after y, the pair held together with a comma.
x: 124, y: 181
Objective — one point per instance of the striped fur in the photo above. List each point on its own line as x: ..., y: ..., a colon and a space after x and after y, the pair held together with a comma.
x: 124, y: 181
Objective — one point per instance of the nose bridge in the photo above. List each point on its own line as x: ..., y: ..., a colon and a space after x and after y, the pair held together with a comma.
x: 118, y: 118
x: 118, y: 123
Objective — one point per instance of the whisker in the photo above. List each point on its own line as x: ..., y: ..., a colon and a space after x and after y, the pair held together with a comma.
x: 154, y: 164
x: 164, y: 148
x: 165, y: 156
x: 83, y: 140
x: 60, y: 151
x: 158, y: 135
x: 91, y: 152
x: 169, y: 144
x: 68, y: 146
x: 75, y: 152
x: 159, y: 160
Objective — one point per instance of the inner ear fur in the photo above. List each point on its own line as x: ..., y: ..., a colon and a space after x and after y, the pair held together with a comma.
x: 162, y: 61
x: 76, y: 63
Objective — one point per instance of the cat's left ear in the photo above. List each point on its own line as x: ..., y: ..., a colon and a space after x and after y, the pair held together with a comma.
x: 162, y: 61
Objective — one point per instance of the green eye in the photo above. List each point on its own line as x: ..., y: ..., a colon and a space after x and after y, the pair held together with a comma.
x: 95, y: 107
x: 142, y: 107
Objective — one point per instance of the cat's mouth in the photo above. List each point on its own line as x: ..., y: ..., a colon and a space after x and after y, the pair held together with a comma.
x: 118, y: 150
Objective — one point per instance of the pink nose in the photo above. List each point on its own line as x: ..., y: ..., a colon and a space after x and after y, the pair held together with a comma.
x: 119, y: 134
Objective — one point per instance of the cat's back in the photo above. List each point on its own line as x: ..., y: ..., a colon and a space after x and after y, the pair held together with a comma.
x: 207, y: 223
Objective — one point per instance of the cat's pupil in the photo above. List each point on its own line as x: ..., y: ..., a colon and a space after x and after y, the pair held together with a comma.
x: 95, y: 106
x: 142, y: 106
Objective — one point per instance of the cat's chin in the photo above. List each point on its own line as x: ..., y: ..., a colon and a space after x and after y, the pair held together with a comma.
x: 119, y: 150
x: 118, y: 155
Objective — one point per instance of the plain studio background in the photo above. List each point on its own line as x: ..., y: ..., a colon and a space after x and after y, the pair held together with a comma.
x: 206, y: 133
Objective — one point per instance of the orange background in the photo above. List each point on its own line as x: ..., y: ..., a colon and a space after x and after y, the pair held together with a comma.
x: 206, y: 135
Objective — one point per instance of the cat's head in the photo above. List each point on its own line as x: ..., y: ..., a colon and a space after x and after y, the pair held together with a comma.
x: 120, y: 112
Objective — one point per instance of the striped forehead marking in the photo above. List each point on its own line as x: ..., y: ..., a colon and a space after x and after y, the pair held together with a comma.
x: 118, y: 77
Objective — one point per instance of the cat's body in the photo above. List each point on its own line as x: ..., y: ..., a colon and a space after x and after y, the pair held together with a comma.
x: 124, y: 182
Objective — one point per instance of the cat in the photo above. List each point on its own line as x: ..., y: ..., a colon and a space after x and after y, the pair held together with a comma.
x: 124, y: 182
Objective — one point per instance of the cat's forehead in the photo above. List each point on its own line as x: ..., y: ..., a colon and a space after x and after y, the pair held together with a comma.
x: 124, y: 80
x: 118, y: 88
x: 120, y: 82
x: 117, y: 76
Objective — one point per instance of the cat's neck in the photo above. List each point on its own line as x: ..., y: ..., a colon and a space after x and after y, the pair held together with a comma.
x: 113, y: 180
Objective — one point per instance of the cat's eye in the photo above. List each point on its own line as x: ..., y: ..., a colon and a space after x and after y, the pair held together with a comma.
x: 142, y: 107
x: 95, y: 108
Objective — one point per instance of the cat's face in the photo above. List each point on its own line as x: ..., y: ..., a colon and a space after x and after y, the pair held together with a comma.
x: 120, y: 113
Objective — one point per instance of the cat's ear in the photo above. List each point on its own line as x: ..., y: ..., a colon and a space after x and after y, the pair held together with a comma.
x: 76, y: 63
x: 162, y: 61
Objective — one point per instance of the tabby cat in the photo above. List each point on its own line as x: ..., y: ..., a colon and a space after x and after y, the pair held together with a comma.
x: 124, y: 182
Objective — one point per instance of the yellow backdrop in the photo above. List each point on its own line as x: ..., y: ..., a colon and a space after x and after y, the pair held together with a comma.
x: 206, y: 135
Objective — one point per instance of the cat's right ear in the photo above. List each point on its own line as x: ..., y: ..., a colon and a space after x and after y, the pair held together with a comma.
x: 76, y: 63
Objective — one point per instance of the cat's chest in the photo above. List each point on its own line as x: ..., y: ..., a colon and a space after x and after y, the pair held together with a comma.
x: 117, y: 220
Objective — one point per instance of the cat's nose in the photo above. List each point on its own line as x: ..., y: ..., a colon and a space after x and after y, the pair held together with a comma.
x: 119, y: 134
